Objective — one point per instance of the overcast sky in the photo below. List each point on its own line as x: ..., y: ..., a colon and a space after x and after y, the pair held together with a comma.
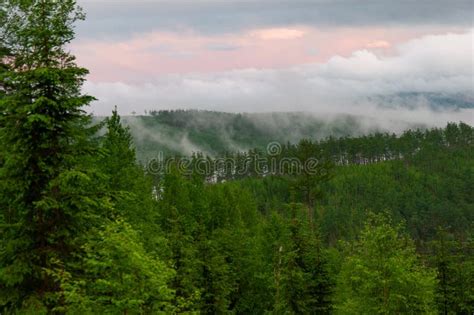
x: 274, y: 55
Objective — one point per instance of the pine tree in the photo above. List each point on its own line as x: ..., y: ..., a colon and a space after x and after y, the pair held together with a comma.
x: 47, y: 193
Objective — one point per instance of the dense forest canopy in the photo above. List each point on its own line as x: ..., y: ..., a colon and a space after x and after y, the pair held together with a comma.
x: 373, y: 224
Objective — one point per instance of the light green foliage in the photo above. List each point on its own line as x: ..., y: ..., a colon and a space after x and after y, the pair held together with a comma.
x: 382, y: 274
x: 120, y: 276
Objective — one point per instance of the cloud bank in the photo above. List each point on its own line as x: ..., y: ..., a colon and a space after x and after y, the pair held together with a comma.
x: 430, y: 64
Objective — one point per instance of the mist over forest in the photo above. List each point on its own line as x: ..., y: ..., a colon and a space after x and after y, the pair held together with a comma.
x: 191, y: 131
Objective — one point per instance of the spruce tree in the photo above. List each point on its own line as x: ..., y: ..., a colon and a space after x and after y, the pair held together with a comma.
x: 46, y: 193
x: 119, y: 160
x: 302, y: 280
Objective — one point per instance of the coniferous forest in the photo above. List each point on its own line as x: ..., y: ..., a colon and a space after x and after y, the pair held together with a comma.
x: 374, y: 224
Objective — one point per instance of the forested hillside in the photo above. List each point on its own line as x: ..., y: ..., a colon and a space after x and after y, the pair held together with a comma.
x: 379, y: 224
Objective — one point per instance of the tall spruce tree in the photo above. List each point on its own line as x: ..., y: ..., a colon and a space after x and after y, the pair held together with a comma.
x: 302, y: 280
x: 45, y: 192
x: 119, y: 159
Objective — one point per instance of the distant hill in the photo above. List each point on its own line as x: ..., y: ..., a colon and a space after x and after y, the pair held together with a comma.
x: 188, y: 131
x: 434, y: 101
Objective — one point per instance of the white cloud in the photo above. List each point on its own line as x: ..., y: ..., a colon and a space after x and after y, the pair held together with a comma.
x: 431, y: 64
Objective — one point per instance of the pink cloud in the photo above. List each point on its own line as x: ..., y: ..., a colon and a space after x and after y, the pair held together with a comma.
x: 279, y: 33
x: 149, y: 55
x: 378, y: 44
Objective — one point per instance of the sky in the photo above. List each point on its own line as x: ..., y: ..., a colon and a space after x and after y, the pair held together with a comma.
x: 320, y: 56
